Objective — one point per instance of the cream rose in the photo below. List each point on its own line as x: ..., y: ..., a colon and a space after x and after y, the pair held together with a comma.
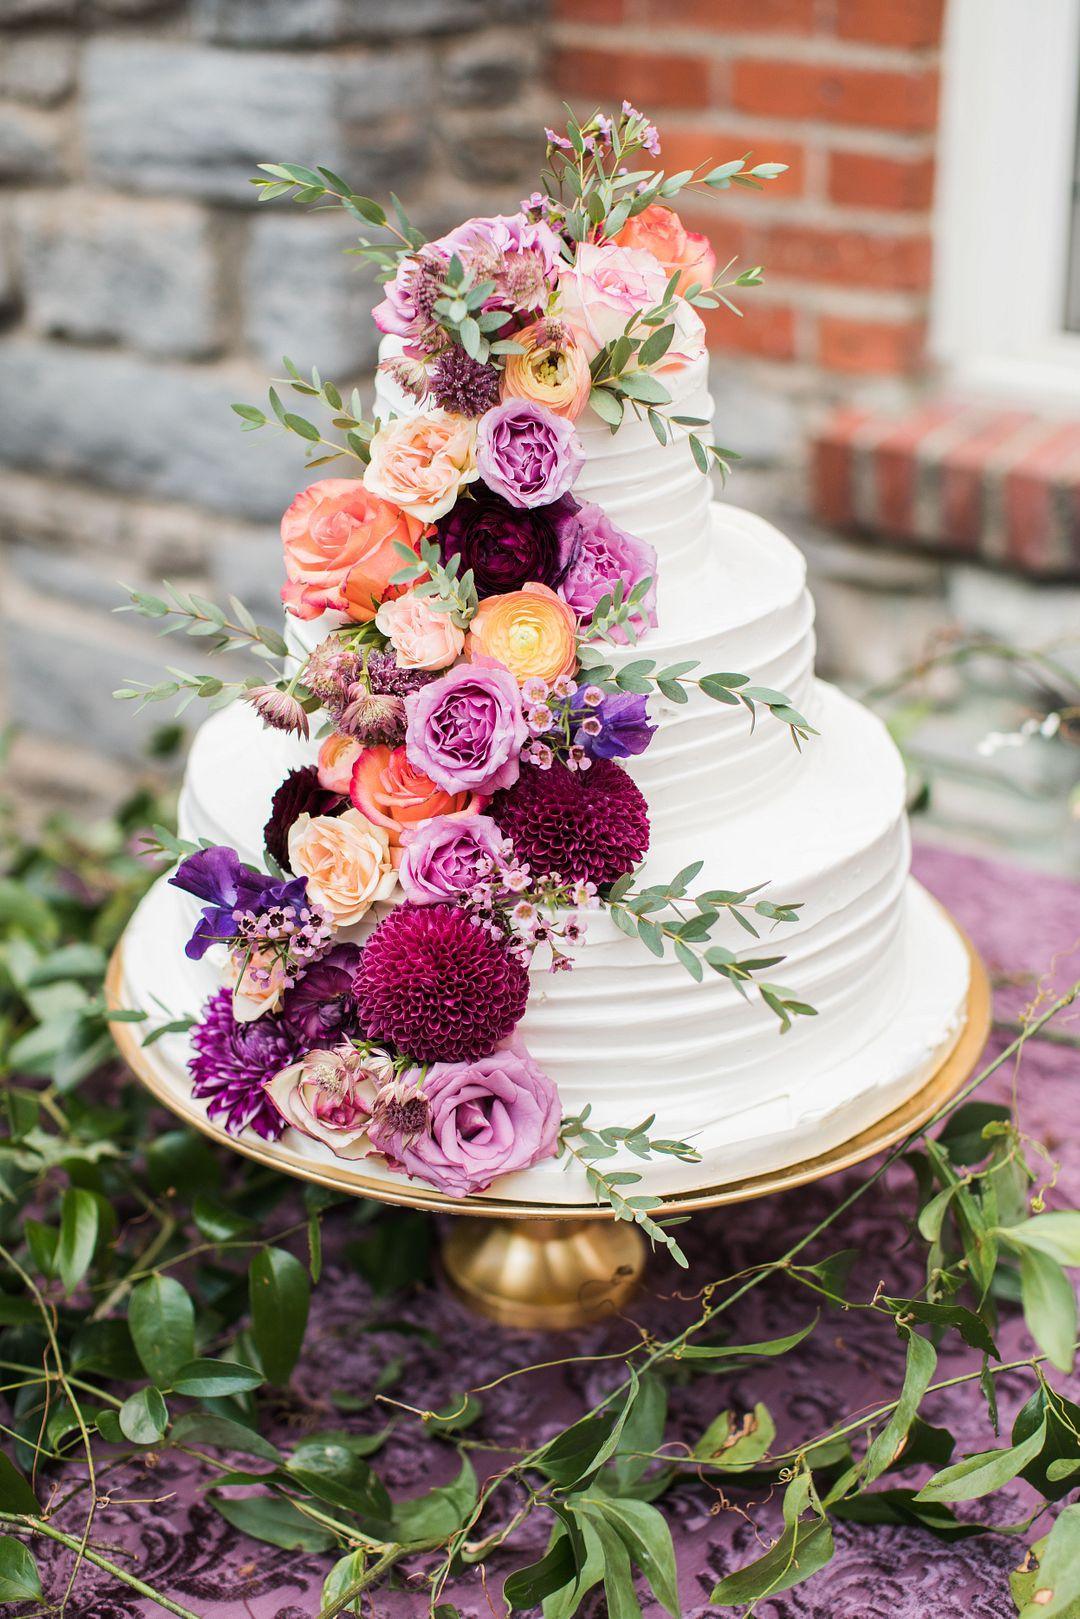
x: 420, y: 462
x: 346, y: 861
x: 421, y: 637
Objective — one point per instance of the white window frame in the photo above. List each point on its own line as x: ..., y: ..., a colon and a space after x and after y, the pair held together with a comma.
x: 1006, y: 156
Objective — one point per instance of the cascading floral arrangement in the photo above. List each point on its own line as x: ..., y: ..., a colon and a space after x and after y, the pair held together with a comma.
x: 469, y: 803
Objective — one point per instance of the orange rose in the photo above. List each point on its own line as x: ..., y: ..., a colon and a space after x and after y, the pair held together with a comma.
x: 553, y: 371
x: 660, y: 231
x: 531, y: 632
x: 339, y: 541
x: 395, y: 796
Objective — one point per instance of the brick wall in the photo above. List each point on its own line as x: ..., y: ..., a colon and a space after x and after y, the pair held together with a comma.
x: 141, y: 292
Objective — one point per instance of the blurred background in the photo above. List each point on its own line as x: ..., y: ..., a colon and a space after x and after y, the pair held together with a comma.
x: 904, y: 389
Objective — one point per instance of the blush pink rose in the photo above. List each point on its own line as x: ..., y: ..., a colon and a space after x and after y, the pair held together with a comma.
x: 337, y: 756
x: 346, y: 860
x: 340, y: 543
x: 421, y: 462
x: 421, y: 637
x: 603, y: 287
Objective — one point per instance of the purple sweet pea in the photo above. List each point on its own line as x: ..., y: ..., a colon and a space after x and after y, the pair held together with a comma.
x: 508, y: 546
x: 604, y: 554
x: 526, y: 453
x: 446, y: 857
x: 466, y: 730
x: 478, y: 1120
x: 614, y: 728
x: 220, y: 876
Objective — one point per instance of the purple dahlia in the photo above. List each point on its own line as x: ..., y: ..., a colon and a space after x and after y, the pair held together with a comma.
x: 437, y: 985
x: 233, y: 1061
x: 300, y: 793
x: 585, y: 825
x: 508, y: 546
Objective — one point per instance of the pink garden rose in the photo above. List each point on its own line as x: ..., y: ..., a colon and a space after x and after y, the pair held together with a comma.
x: 526, y: 453
x: 447, y: 856
x: 482, y: 1119
x: 605, y: 553
x: 329, y: 1095
x: 421, y: 637
x: 604, y: 286
x: 466, y: 730
x: 340, y: 543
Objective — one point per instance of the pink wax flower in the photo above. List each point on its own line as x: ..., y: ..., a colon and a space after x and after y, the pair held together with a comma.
x: 466, y: 729
x: 526, y: 453
x: 485, y: 1119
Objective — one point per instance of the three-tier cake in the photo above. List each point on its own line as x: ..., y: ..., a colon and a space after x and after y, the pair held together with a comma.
x: 506, y: 389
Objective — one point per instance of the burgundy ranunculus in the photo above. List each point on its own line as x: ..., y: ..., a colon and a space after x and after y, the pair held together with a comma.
x: 509, y: 546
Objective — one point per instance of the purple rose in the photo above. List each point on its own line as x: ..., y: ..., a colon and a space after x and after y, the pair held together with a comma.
x: 614, y: 728
x: 526, y: 453
x: 443, y: 859
x: 466, y: 730
x: 604, y: 554
x: 509, y: 546
x: 483, y: 1119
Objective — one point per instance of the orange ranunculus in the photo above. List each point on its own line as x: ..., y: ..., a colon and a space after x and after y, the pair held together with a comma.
x: 553, y: 370
x: 339, y: 541
x: 531, y: 632
x: 396, y: 796
x: 660, y: 231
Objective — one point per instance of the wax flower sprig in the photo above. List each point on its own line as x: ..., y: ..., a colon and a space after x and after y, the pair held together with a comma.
x: 663, y: 915
x: 644, y: 675
x: 580, y: 1143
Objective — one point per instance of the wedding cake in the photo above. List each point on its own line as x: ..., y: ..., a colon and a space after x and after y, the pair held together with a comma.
x: 547, y: 857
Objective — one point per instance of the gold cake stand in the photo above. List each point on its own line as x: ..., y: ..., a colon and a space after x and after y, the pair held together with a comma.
x: 553, y: 1266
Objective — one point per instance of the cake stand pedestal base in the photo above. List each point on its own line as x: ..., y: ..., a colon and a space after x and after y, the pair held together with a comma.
x: 544, y: 1274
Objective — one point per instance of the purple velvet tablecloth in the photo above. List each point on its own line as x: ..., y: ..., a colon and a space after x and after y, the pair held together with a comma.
x: 1023, y: 923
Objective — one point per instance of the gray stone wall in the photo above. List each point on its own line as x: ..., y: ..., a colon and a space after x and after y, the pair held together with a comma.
x: 143, y: 290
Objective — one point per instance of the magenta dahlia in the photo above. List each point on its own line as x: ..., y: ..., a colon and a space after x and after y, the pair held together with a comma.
x: 436, y: 984
x: 584, y: 825
x: 233, y: 1061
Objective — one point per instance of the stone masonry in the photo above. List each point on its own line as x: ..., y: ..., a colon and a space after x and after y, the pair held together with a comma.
x: 143, y: 290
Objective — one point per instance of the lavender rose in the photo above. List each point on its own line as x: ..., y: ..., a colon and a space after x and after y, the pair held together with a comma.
x: 446, y: 857
x: 509, y: 546
x: 483, y: 1119
x: 466, y: 730
x: 605, y: 553
x: 526, y: 453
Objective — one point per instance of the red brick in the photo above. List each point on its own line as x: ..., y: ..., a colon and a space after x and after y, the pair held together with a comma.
x: 736, y: 16
x: 1029, y: 495
x: 896, y: 465
x: 648, y: 79
x: 851, y: 258
x: 833, y: 465
x: 891, y: 22
x: 585, y: 11
x: 881, y: 347
x: 864, y: 180
x: 764, y: 329
x: 878, y: 98
x: 686, y: 148
x: 963, y: 469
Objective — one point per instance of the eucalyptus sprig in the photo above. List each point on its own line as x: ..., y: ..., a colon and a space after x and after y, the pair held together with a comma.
x: 582, y: 1143
x: 664, y: 915
x: 351, y: 421
x: 210, y: 689
x: 438, y: 581
x: 644, y: 675
x: 197, y: 616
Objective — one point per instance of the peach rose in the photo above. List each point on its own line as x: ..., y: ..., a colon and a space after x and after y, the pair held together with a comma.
x: 553, y: 371
x: 421, y: 637
x: 660, y: 231
x: 338, y: 533
x: 337, y: 756
x: 531, y: 632
x: 346, y: 860
x: 420, y: 462
x: 397, y: 797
